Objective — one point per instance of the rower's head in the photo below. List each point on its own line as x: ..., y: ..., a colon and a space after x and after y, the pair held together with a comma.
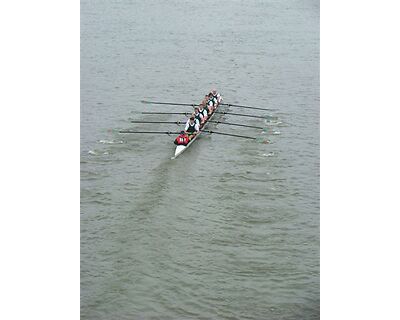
x: 210, y: 95
x: 196, y: 110
x: 191, y: 119
x: 200, y: 107
x: 214, y: 92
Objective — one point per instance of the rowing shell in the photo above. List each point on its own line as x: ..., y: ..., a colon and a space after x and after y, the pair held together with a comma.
x: 181, y: 148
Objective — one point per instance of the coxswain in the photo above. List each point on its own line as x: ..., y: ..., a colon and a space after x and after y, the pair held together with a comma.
x: 191, y: 128
x: 182, y: 139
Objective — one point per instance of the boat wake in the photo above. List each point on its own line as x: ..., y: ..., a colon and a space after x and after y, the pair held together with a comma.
x: 111, y: 141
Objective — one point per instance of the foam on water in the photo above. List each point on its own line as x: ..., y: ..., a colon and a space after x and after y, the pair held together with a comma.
x: 110, y: 141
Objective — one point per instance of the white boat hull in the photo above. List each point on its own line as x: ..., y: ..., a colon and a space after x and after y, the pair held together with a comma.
x: 180, y: 149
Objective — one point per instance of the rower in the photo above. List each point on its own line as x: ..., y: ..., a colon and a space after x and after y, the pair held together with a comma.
x: 192, y: 128
x: 203, y: 112
x: 210, y: 105
x: 198, y: 116
x: 206, y: 108
x: 216, y: 96
x: 205, y: 100
x: 211, y: 102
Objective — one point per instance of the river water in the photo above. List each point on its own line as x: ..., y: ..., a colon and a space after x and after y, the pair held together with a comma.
x: 230, y: 229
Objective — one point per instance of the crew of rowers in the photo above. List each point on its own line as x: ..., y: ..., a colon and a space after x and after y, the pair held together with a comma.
x: 200, y: 115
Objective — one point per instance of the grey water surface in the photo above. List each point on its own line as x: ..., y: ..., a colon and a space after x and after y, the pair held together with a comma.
x: 230, y: 229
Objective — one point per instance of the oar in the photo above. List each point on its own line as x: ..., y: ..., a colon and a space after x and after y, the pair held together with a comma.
x: 244, y: 107
x: 259, y: 139
x: 212, y: 121
x: 208, y: 131
x: 194, y: 104
x: 185, y: 113
x: 171, y: 122
x: 219, y: 112
x: 241, y: 115
x: 168, y: 103
x: 229, y: 134
x: 153, y: 132
x: 236, y: 124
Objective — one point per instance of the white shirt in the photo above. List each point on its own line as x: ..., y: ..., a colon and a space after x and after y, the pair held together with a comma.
x: 196, y: 127
x: 200, y: 115
x: 204, y: 112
